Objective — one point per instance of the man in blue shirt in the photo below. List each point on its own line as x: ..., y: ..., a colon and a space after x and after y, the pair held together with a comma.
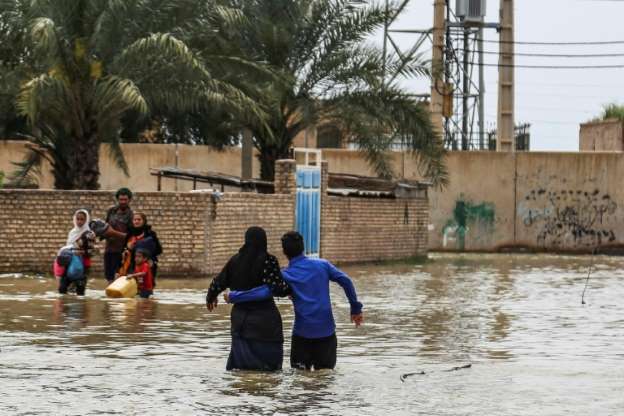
x: 314, y: 340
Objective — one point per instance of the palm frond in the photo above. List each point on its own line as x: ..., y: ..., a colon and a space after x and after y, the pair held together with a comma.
x: 116, y: 153
x: 114, y: 96
x: 227, y: 17
x: 164, y: 49
x: 43, y: 36
x: 41, y: 97
x: 27, y: 170
x: 378, y: 120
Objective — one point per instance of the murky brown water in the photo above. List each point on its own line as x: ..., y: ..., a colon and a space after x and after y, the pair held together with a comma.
x: 534, y: 348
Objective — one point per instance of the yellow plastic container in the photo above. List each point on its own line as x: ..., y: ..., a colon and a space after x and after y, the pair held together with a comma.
x: 122, y: 288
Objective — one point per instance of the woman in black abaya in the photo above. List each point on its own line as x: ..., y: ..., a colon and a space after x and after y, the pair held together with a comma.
x: 257, y: 337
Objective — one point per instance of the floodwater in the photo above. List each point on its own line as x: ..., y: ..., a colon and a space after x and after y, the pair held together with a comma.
x: 518, y: 319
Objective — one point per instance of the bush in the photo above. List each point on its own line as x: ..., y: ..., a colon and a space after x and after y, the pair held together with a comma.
x: 613, y: 111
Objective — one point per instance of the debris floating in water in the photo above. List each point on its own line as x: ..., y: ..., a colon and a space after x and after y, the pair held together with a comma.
x: 422, y: 373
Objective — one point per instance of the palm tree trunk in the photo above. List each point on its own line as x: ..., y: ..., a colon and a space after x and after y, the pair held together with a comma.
x: 63, y: 175
x: 86, y: 162
x: 269, y: 154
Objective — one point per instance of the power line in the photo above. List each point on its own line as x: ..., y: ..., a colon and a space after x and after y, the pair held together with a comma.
x: 608, y: 42
x: 553, y: 109
x: 555, y: 122
x: 556, y: 96
x: 560, y: 55
x: 555, y: 66
x: 533, y: 122
x: 551, y: 84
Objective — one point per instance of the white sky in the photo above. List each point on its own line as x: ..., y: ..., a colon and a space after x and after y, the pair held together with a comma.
x: 554, y: 101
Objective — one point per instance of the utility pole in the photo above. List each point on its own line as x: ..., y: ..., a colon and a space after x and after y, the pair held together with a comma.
x: 385, y: 45
x: 481, y: 90
x: 437, y: 66
x: 505, y: 119
x: 465, y: 93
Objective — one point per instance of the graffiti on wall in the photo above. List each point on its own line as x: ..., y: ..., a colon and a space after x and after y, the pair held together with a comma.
x: 466, y: 216
x: 568, y: 218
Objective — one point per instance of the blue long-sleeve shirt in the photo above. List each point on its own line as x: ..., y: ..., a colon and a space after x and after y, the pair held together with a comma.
x: 309, y: 279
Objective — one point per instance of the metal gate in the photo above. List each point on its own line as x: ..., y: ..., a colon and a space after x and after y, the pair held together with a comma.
x: 308, y: 207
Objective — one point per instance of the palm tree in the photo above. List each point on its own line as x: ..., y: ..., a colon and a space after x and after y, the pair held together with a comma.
x: 328, y: 73
x: 12, y: 56
x: 90, y: 63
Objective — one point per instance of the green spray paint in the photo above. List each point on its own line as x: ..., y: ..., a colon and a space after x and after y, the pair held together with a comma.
x: 466, y: 213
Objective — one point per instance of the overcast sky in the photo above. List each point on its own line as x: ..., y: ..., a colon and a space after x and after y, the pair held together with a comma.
x: 554, y: 101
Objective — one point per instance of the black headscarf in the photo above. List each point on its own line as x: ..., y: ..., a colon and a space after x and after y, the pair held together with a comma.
x: 247, y: 265
x: 144, y: 229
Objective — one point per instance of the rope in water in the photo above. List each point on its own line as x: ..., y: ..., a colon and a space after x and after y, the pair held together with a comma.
x: 420, y: 373
x: 591, y: 264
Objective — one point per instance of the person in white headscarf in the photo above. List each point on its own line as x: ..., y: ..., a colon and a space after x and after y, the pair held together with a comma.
x: 80, y: 240
x: 81, y: 227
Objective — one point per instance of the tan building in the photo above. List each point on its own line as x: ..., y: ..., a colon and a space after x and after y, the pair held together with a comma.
x: 326, y: 136
x: 602, y: 136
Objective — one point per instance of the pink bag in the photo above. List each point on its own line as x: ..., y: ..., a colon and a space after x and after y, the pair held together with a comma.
x: 58, y: 269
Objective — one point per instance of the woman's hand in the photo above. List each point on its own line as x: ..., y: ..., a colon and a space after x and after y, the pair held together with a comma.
x: 226, y: 297
x: 212, y: 305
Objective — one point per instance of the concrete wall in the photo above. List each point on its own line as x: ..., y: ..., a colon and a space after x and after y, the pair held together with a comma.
x: 475, y: 211
x: 140, y: 159
x: 602, y: 136
x: 10, y: 151
x: 143, y: 157
x: 569, y: 201
x: 538, y: 201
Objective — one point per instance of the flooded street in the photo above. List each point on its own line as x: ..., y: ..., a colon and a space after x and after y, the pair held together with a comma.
x: 517, y: 319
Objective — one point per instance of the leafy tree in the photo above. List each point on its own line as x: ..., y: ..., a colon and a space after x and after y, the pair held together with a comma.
x: 327, y: 73
x: 91, y: 64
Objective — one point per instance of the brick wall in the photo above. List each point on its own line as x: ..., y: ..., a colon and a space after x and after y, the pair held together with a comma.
x: 34, y: 225
x: 285, y: 179
x: 234, y: 213
x: 199, y: 231
x: 371, y: 229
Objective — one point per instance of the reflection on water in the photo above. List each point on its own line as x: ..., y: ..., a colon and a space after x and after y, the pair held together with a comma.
x: 518, y: 319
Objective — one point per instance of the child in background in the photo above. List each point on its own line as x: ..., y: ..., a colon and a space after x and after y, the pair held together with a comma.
x: 143, y: 273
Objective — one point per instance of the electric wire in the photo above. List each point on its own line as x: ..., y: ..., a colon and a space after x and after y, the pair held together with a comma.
x: 558, y: 55
x: 521, y: 66
x: 606, y: 42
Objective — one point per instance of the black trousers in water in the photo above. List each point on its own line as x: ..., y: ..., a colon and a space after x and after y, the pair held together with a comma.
x: 81, y: 285
x: 319, y: 353
x: 112, y: 263
x: 250, y: 354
